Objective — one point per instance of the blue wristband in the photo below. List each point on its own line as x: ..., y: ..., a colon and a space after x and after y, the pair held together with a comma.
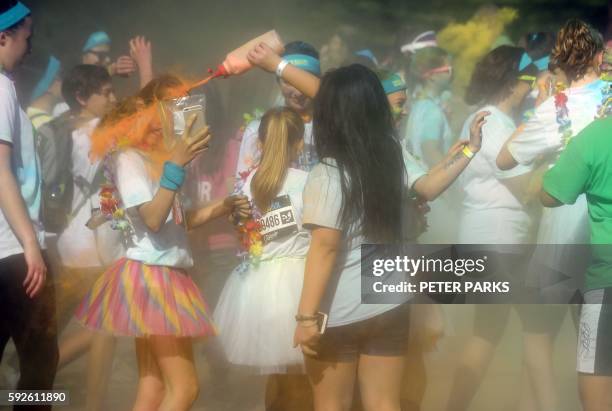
x: 173, y: 177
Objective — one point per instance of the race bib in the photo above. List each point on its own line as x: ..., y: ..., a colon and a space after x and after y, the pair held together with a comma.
x: 280, y: 221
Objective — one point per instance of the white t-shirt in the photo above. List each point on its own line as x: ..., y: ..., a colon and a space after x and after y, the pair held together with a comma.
x: 567, y: 224
x: 169, y: 246
x: 490, y: 213
x: 283, y: 225
x: 250, y: 154
x: 414, y: 168
x: 322, y: 207
x: 16, y: 130
x: 427, y: 122
x: 77, y: 243
x: 541, y: 135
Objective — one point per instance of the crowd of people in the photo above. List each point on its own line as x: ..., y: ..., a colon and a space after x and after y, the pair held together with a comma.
x: 173, y: 230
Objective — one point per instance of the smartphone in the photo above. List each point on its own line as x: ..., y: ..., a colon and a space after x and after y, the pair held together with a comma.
x: 322, y: 322
x: 182, y: 118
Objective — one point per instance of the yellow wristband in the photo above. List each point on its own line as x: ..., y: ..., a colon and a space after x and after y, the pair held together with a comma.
x: 467, y: 152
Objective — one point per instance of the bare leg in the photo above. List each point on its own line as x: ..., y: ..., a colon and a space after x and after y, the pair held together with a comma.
x: 150, y: 384
x: 527, y: 401
x: 537, y: 359
x: 288, y: 392
x: 332, y: 383
x: 595, y: 392
x: 468, y: 376
x: 414, y: 380
x: 99, y: 369
x: 380, y: 380
x: 174, y: 356
x: 73, y: 346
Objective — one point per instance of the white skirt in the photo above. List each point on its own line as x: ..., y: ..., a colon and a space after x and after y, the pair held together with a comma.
x: 256, y: 311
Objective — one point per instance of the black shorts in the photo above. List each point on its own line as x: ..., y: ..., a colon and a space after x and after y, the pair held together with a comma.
x: 383, y: 335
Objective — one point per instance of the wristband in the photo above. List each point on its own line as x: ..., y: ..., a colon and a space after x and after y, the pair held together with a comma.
x: 281, y: 67
x: 173, y: 177
x: 467, y: 152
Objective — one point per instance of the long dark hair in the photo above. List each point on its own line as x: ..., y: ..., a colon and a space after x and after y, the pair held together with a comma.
x: 353, y: 124
x: 496, y: 74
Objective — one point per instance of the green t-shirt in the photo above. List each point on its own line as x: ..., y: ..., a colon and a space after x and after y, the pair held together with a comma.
x: 585, y: 166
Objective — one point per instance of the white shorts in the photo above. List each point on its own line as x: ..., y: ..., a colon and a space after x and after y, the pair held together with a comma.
x: 595, y: 334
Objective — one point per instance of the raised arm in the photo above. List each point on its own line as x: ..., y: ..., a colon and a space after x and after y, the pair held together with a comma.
x: 140, y: 51
x: 265, y: 58
x: 219, y: 208
x: 443, y: 174
x: 154, y: 213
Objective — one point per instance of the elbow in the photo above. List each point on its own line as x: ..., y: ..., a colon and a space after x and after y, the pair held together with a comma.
x: 430, y: 195
x: 153, y: 226
x: 426, y: 189
x: 505, y: 161
x: 500, y: 163
x: 548, y: 201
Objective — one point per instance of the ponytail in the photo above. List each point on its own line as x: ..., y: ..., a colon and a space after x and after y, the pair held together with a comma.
x: 279, y: 132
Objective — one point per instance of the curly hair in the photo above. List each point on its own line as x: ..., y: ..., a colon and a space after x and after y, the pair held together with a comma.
x: 496, y: 74
x: 577, y: 45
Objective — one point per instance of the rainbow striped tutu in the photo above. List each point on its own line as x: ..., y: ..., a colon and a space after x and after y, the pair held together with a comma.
x: 135, y: 299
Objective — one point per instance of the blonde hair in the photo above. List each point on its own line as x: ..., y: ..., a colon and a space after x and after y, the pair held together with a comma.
x: 280, y: 131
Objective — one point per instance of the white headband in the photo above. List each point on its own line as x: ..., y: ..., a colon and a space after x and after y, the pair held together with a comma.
x: 418, y: 44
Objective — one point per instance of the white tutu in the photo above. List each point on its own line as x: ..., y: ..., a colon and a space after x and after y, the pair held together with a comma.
x: 256, y: 314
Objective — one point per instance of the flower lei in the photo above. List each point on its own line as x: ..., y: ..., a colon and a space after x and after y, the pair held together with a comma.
x: 110, y: 202
x: 563, y: 120
x: 605, y: 108
x: 249, y: 230
x: 250, y: 237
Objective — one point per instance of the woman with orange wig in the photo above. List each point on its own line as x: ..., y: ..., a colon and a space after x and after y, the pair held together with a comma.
x: 148, y: 295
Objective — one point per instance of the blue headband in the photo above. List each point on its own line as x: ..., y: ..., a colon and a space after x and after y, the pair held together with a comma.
x: 13, y: 15
x: 305, y: 62
x: 96, y: 39
x: 393, y: 83
x: 367, y: 53
x: 541, y: 64
x: 47, y: 79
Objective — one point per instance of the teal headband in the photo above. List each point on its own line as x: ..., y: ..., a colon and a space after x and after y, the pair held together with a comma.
x: 13, y: 15
x: 305, y: 62
x: 541, y: 64
x: 393, y: 83
x: 47, y: 79
x: 367, y: 53
x: 96, y: 39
